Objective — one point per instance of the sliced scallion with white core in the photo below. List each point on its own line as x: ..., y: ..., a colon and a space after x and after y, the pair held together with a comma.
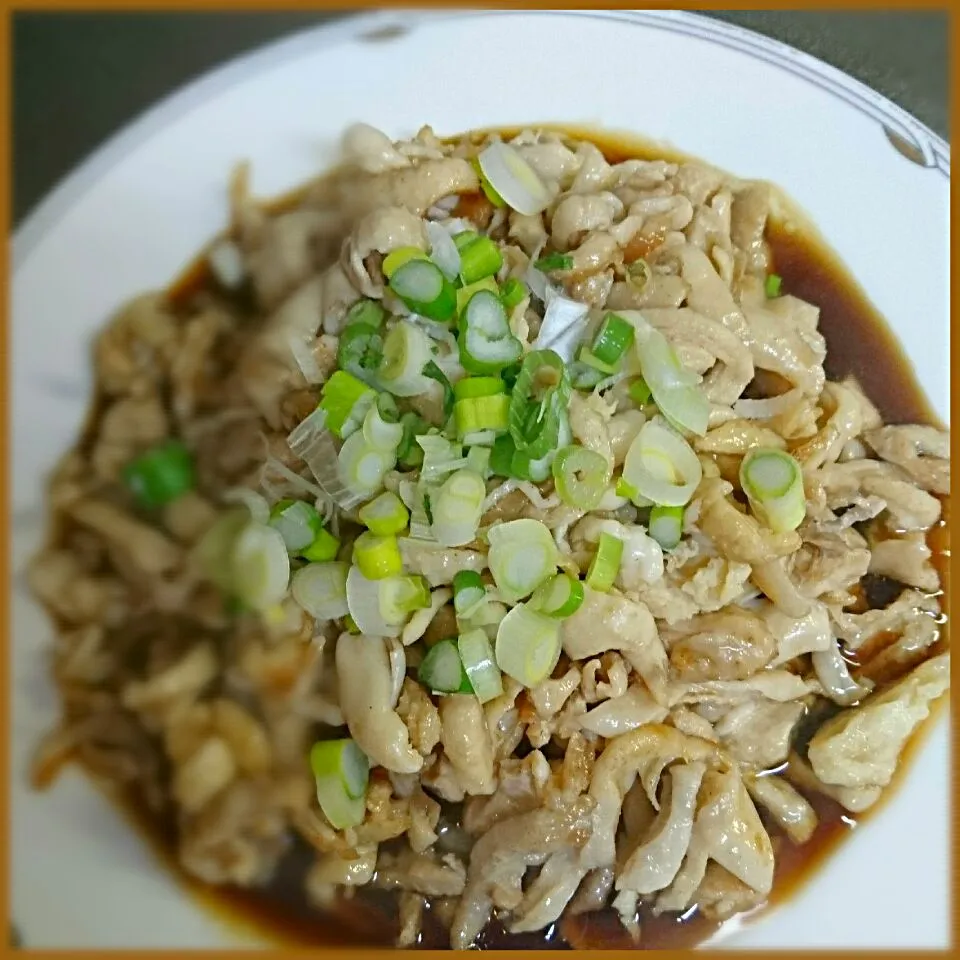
x: 442, y: 670
x: 321, y: 589
x: 443, y: 251
x: 581, y: 476
x: 614, y: 338
x: 666, y: 525
x: 457, y: 507
x: 406, y: 351
x: 479, y: 259
x: 260, y: 567
x: 361, y: 468
x: 468, y: 592
x: 606, y: 563
x: 385, y: 514
x: 325, y: 546
x: 297, y: 522
x: 363, y: 602
x: 345, y: 401
x: 559, y: 597
x: 481, y: 414
x: 477, y: 657
x: 380, y: 432
x: 563, y: 325
x: 422, y: 286
x: 513, y: 179
x: 522, y: 555
x: 661, y: 466
x: 377, y: 557
x: 395, y: 259
x: 486, y: 341
x: 773, y: 483
x: 528, y: 645
x: 342, y: 773
x: 401, y: 596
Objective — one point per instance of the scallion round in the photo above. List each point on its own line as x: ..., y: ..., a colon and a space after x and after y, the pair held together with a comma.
x: 377, y: 557
x: 773, y: 483
x: 345, y: 401
x: 662, y: 466
x: 666, y: 525
x: 321, y: 589
x: 468, y: 388
x: 482, y: 413
x: 457, y: 507
x: 368, y: 312
x: 406, y: 351
x: 528, y: 645
x: 259, y: 567
x: 325, y: 546
x: 581, y: 476
x: 385, y: 514
x: 400, y: 596
x: 479, y: 259
x: 381, y: 433
x: 398, y: 258
x: 298, y: 523
x: 478, y: 660
x: 513, y: 179
x: 342, y: 773
x: 422, y: 286
x: 361, y: 468
x: 606, y: 563
x: 468, y: 591
x: 442, y: 670
x: 512, y: 293
x: 614, y: 338
x: 360, y: 351
x: 486, y: 341
x: 559, y: 597
x: 522, y: 555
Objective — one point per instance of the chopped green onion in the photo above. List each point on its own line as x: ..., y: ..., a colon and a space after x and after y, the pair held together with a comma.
x: 501, y: 457
x: 361, y: 468
x: 773, y: 483
x: 345, y: 401
x: 440, y: 457
x: 581, y: 476
x: 360, y: 351
x: 554, y: 261
x: 526, y: 468
x: 406, y: 351
x: 325, y: 546
x: 442, y: 671
x: 478, y: 457
x: 298, y: 523
x: 410, y: 453
x: 559, y: 597
x: 465, y: 293
x: 369, y: 312
x: 385, y: 515
x: 614, y: 338
x: 342, y: 771
x: 350, y: 625
x: 457, y: 508
x: 606, y: 563
x: 512, y: 293
x: 511, y: 178
x: 584, y: 355
x: 160, y: 475
x: 398, y: 258
x: 583, y: 376
x: 662, y: 466
x: 378, y: 557
x: 468, y: 591
x: 476, y: 654
x: 380, y: 433
x: 638, y: 274
x: 486, y: 342
x: 433, y: 371
x: 422, y: 286
x: 401, y: 596
x: 259, y: 567
x: 469, y: 387
x: 479, y: 259
x: 464, y: 238
x: 522, y: 555
x: 666, y: 525
x: 772, y: 284
x: 639, y: 392
x: 528, y: 645
x: 482, y: 413
x: 628, y: 490
x: 538, y: 403
x: 488, y: 191
x: 321, y: 589
x: 509, y: 375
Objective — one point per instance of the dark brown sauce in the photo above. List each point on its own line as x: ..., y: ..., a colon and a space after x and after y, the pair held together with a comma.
x: 859, y: 343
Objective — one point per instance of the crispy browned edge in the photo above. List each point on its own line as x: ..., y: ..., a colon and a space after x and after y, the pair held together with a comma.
x: 384, y: 36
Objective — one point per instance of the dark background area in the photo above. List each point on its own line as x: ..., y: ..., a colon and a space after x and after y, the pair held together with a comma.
x: 80, y: 77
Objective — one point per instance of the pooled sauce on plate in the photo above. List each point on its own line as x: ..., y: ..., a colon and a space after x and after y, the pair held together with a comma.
x: 859, y: 343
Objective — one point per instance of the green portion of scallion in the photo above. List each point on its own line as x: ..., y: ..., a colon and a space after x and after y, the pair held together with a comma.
x: 410, y: 453
x: 639, y: 391
x: 464, y: 238
x: 772, y: 285
x: 369, y: 312
x: 345, y: 400
x: 773, y: 483
x: 486, y: 341
x: 468, y: 591
x: 554, y: 261
x: 360, y: 351
x: 478, y: 660
x: 528, y: 645
x: 512, y: 293
x: 324, y: 546
x: 433, y: 371
x: 394, y: 260
x: 378, y: 557
x: 581, y: 477
x: 666, y: 525
x: 479, y: 259
x: 482, y: 413
x: 342, y: 773
x: 486, y: 186
x: 559, y: 597
x: 613, y: 339
x: 465, y: 294
x: 522, y: 555
x: 606, y: 563
x: 298, y: 523
x: 160, y: 475
x: 385, y: 514
x: 442, y: 671
x: 422, y: 286
x: 469, y: 387
x: 539, y: 403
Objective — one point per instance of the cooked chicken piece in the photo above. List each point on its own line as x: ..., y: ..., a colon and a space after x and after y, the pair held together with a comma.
x: 610, y: 666
x: 759, y: 732
x: 626, y: 712
x: 828, y: 561
x: 727, y: 645
x: 466, y: 742
x: 578, y: 214
x: 789, y: 808
x: 748, y: 221
x: 438, y: 564
x: 860, y: 746
x: 905, y: 559
x: 856, y: 629
x: 778, y: 685
x: 922, y: 452
x: 798, y: 635
x: 371, y: 149
x: 421, y: 873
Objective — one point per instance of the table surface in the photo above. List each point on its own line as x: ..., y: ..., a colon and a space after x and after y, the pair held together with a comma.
x: 78, y: 78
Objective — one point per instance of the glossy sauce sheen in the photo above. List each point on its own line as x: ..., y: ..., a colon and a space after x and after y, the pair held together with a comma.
x: 858, y: 342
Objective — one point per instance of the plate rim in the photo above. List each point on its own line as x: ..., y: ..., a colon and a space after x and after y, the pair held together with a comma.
x: 932, y: 148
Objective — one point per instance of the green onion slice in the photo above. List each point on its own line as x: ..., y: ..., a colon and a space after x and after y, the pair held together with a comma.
x: 639, y: 392
x: 325, y: 546
x: 378, y: 557
x: 160, y: 475
x: 406, y: 351
x: 482, y: 413
x: 486, y: 341
x: 468, y: 388
x: 464, y: 238
x: 606, y: 563
x: 298, y: 523
x: 773, y: 483
x: 342, y: 772
x: 457, y: 507
x: 464, y: 294
x: 321, y: 589
x: 442, y: 671
x: 368, y: 312
x: 468, y: 591
x: 361, y: 468
x: 772, y: 285
x: 479, y: 259
x: 488, y: 190
x: 581, y: 476
x: 345, y: 400
x: 381, y: 432
x: 512, y: 293
x: 409, y: 452
x: 666, y: 525
x: 528, y: 645
x: 360, y: 351
x: 613, y: 339
x: 259, y: 567
x: 522, y: 555
x: 394, y: 260
x: 513, y: 179
x: 538, y: 403
x: 433, y: 371
x: 661, y: 466
x: 385, y: 514
x: 559, y: 597
x: 554, y: 261
x: 477, y: 657
x: 400, y: 596
x: 422, y: 286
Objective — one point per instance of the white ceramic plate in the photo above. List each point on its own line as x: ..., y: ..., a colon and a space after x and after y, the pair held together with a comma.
x: 134, y: 214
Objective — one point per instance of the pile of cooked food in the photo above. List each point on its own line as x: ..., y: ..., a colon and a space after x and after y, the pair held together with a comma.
x: 486, y: 520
